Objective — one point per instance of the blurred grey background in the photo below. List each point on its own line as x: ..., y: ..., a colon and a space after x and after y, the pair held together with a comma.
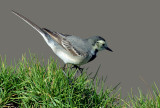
x: 131, y: 28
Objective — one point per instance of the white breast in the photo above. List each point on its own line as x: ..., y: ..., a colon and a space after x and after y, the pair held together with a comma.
x: 65, y: 55
x: 69, y: 58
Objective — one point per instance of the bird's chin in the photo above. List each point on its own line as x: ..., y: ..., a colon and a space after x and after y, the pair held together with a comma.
x: 101, y: 49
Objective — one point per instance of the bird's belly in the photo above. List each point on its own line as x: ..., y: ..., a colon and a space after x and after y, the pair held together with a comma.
x: 69, y: 58
x: 66, y: 56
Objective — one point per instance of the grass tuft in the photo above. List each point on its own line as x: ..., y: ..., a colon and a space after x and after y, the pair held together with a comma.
x: 30, y: 83
x: 149, y: 100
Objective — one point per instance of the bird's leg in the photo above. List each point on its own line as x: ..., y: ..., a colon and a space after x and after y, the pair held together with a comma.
x: 77, y: 67
x: 64, y: 67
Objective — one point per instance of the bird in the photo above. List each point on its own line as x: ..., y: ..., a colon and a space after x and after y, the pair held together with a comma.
x: 69, y: 48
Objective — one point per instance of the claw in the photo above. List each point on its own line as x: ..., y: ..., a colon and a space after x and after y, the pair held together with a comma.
x: 77, y: 67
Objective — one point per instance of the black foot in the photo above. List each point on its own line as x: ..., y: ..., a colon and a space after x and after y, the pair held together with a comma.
x: 77, y: 67
x: 64, y: 67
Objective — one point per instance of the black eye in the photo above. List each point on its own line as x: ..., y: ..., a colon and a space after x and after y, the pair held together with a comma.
x: 103, y: 44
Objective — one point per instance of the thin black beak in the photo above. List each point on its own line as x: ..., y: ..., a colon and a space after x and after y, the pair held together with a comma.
x: 108, y: 49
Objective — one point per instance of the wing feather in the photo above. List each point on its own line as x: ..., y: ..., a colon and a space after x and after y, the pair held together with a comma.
x: 60, y: 38
x: 63, y: 42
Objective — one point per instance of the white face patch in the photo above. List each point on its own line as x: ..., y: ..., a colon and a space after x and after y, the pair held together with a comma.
x: 99, y: 45
x: 101, y: 42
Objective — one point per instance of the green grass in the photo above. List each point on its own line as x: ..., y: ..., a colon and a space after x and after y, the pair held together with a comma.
x: 149, y: 100
x: 30, y: 83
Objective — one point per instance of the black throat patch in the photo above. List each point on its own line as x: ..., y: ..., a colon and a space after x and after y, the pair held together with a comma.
x: 93, y: 56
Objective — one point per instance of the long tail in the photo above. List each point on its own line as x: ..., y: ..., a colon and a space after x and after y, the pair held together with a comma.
x: 40, y: 30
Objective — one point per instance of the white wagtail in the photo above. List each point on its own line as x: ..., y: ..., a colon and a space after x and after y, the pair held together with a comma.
x: 71, y: 49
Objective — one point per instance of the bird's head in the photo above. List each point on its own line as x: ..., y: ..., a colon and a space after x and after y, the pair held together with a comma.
x: 99, y: 43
